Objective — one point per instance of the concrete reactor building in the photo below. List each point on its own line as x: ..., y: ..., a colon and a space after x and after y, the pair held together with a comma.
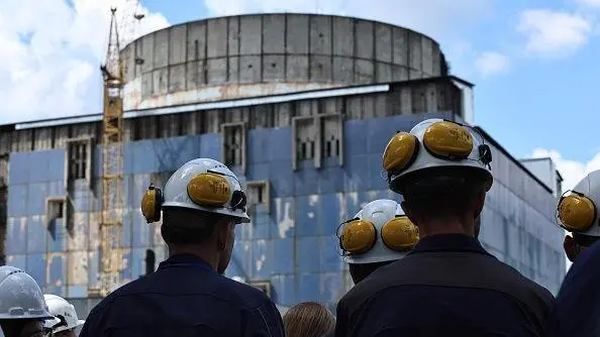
x: 301, y: 107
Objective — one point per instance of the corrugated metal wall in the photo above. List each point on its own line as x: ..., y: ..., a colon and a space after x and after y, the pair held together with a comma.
x: 292, y: 244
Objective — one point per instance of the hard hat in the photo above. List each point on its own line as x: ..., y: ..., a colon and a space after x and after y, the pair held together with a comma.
x: 435, y: 143
x: 202, y: 184
x: 20, y: 296
x: 379, y: 232
x: 577, y: 210
x: 65, y: 316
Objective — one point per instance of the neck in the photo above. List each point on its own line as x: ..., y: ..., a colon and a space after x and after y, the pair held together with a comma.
x: 446, y: 225
x: 201, y: 252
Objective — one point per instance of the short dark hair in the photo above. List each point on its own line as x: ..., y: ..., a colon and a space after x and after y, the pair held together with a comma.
x: 443, y: 191
x: 360, y: 271
x: 188, y: 226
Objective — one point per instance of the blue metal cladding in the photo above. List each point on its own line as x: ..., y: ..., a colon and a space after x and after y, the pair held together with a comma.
x: 292, y: 243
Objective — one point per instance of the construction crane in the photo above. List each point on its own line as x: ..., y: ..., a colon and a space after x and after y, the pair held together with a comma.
x: 111, y: 252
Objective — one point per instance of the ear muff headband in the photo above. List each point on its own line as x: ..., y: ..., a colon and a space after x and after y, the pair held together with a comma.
x: 151, y: 204
x: 400, y: 152
x: 448, y: 140
x: 358, y: 236
x: 400, y: 234
x: 209, y: 189
x: 577, y: 212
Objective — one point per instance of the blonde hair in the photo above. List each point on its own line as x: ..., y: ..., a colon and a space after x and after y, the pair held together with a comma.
x: 308, y: 319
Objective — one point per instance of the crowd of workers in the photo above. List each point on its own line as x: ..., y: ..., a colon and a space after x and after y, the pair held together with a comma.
x: 417, y: 265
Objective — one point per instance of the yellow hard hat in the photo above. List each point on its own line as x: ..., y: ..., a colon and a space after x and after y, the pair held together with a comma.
x: 577, y: 210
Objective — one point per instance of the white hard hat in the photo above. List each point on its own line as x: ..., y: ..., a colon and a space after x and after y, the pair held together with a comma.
x: 65, y: 316
x: 379, y: 232
x: 20, y: 296
x: 202, y: 184
x: 435, y: 143
x: 577, y: 210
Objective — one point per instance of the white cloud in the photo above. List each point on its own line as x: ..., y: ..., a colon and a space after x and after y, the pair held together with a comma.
x: 553, y: 33
x: 572, y: 171
x: 50, y: 52
x: 491, y: 63
x: 590, y: 3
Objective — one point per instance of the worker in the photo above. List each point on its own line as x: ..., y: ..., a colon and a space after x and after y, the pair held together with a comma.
x: 577, y: 213
x: 65, y: 317
x: 22, y: 306
x: 448, y: 285
x: 578, y: 303
x: 188, y: 294
x: 308, y: 319
x: 377, y: 235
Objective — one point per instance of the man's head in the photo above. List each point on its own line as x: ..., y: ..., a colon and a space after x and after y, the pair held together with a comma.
x: 442, y: 170
x: 577, y: 212
x: 185, y: 229
x: 202, y: 202
x: 378, y: 234
x: 437, y: 197
x: 23, y: 328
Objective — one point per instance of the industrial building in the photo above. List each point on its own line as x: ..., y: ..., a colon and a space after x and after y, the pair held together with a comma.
x: 301, y: 106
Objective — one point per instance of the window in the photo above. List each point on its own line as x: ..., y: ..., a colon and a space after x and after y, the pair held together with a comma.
x: 317, y: 138
x: 258, y: 194
x: 265, y: 286
x: 55, y: 210
x: 234, y: 144
x: 78, y: 159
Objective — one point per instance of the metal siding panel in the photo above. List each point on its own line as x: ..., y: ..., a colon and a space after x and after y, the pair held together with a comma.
x: 241, y: 259
x: 177, y: 78
x: 330, y: 255
x: 140, y: 233
x: 285, y: 218
x: 330, y: 289
x: 177, y: 44
x: 57, y: 241
x: 217, y: 71
x: 250, y: 35
x: 19, y: 167
x: 196, y: 32
x: 283, y: 251
x: 320, y: 68
x: 364, y: 39
x: 273, y: 68
x: 357, y: 173
x: 217, y: 37
x: 56, y: 165
x: 16, y: 236
x: 280, y: 144
x: 250, y: 69
x: 284, y: 289
x: 161, y: 48
x: 297, y: 34
x: 329, y: 213
x: 383, y: 42
x: 297, y: 68
x: 331, y: 180
x: 56, y: 271
x: 307, y: 209
x: 320, y: 35
x: 36, y: 235
x: 355, y: 139
x: 93, y: 267
x: 308, y: 252
x: 308, y: 287
x: 342, y: 69
x: 36, y: 268
x: 17, y: 200
x: 78, y: 265
x: 234, y: 36
x: 17, y: 261
x: 210, y: 146
x: 343, y: 36
x: 262, y: 253
x: 363, y: 72
x: 274, y: 33
x: 258, y: 145
x: 306, y: 181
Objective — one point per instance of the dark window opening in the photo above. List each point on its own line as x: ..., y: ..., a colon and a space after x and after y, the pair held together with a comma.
x: 196, y: 50
x: 78, y: 157
x: 233, y: 136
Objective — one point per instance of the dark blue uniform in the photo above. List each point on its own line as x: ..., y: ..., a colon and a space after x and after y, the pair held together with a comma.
x: 577, y: 311
x: 185, y: 297
x: 447, y: 286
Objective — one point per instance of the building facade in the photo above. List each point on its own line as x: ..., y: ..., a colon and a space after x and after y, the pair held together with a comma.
x: 301, y: 107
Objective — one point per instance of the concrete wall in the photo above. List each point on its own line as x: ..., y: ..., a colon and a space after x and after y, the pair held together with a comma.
x: 292, y: 242
x: 257, y: 55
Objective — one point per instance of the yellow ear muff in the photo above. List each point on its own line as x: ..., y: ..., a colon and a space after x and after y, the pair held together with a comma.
x: 209, y: 189
x: 448, y: 140
x: 358, y: 236
x: 151, y: 203
x: 400, y: 152
x: 577, y: 212
x: 400, y: 234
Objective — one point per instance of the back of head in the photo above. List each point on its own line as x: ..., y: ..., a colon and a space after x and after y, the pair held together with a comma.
x: 183, y: 226
x: 440, y: 192
x: 308, y: 319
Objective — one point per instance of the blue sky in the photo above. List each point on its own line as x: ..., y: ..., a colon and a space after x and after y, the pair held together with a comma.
x: 534, y: 63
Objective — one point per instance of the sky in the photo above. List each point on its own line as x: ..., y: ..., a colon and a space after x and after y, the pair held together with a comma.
x: 533, y: 62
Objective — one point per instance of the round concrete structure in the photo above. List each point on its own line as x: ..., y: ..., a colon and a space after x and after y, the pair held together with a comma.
x: 257, y: 55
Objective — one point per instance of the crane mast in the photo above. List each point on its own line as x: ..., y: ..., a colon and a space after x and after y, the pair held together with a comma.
x: 112, y: 165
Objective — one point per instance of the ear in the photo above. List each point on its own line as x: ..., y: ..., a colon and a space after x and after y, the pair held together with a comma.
x: 409, y: 213
x: 222, y: 232
x: 479, y: 203
x: 571, y: 248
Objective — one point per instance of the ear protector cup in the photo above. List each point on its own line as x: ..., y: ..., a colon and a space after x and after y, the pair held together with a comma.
x: 209, y: 189
x: 400, y: 152
x: 400, y: 234
x: 576, y: 212
x: 151, y: 204
x: 448, y: 140
x: 358, y: 236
